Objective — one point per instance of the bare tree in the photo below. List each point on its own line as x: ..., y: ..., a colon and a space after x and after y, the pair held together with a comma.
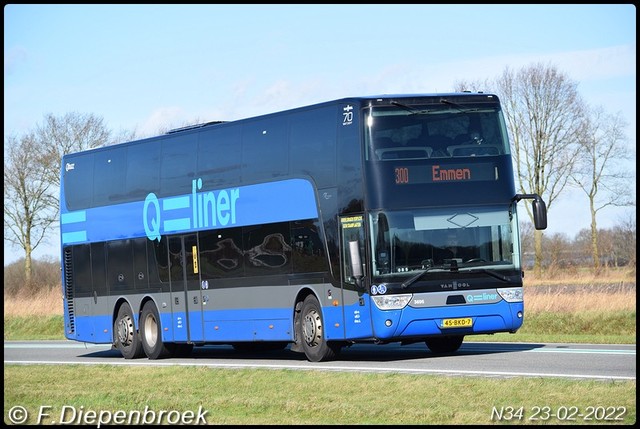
x: 559, y: 250
x: 544, y: 113
x: 600, y: 172
x: 29, y: 203
x: 32, y: 175
x: 72, y: 132
x: 625, y: 242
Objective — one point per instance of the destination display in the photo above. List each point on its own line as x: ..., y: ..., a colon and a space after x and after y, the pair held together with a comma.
x: 437, y: 173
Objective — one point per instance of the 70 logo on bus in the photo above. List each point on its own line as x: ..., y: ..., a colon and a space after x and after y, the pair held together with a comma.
x: 347, y: 115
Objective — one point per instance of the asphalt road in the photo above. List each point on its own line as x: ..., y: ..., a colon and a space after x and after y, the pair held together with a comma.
x: 484, y: 359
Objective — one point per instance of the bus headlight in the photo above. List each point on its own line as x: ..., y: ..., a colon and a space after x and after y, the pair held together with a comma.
x: 512, y: 294
x: 392, y: 302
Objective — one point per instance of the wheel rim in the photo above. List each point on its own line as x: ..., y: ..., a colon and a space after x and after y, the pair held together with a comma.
x: 312, y: 328
x: 125, y: 331
x: 150, y: 330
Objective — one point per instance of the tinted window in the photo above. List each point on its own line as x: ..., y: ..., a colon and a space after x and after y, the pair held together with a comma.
x: 82, y: 270
x: 98, y: 269
x: 219, y: 157
x: 78, y: 181
x: 120, y: 265
x: 267, y: 249
x: 175, y: 260
x: 109, y: 174
x: 141, y: 277
x: 313, y: 145
x: 265, y: 152
x: 143, y: 170
x: 178, y: 167
x: 221, y: 254
x: 158, y: 262
x: 308, y: 251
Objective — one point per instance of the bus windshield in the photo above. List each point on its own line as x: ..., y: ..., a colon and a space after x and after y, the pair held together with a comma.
x: 442, y: 130
x: 404, y: 242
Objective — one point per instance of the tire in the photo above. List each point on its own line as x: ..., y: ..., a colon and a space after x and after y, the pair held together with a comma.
x: 311, y: 332
x: 444, y: 344
x: 151, y: 333
x: 125, y: 337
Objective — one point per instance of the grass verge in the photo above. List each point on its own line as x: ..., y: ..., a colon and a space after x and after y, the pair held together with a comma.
x: 256, y: 396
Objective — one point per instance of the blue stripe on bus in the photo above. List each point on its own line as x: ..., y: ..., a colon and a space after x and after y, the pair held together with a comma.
x: 73, y: 217
x: 74, y: 237
x: 278, y: 201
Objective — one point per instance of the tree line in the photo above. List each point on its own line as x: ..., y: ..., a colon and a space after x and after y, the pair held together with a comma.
x: 559, y: 144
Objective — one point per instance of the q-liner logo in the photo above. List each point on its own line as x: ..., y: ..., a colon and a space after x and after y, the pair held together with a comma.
x: 482, y: 297
x: 209, y: 209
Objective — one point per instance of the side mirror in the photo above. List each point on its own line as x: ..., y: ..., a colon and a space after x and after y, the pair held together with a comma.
x: 539, y: 209
x: 539, y: 213
x: 356, y: 263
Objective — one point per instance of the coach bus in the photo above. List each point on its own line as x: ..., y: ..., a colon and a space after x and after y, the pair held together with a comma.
x: 378, y: 219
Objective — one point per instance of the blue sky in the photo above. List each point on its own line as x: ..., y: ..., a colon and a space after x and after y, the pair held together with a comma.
x: 152, y: 67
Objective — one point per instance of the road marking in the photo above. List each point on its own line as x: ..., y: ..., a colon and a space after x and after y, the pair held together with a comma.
x: 316, y: 367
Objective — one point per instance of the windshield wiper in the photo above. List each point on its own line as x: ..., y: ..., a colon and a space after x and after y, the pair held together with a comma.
x: 460, y: 107
x: 415, y: 278
x: 492, y: 273
x: 410, y: 109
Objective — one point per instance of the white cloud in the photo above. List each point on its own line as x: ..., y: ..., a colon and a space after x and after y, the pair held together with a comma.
x: 13, y: 57
x: 163, y: 119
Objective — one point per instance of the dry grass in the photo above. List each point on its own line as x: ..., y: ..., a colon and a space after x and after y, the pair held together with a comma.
x: 44, y: 302
x: 564, y: 293
x: 580, y: 276
x: 575, y: 290
x: 576, y: 300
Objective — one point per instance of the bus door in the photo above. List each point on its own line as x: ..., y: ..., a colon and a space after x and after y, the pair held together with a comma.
x: 186, y: 297
x: 356, y: 303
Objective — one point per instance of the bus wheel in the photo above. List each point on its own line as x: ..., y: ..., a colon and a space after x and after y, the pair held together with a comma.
x: 444, y: 344
x: 126, y: 338
x: 151, y: 334
x: 312, y: 332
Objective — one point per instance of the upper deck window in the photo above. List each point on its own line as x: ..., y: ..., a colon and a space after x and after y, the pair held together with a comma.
x: 435, y: 130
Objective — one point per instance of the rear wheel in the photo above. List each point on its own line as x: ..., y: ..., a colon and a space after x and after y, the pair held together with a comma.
x: 445, y: 344
x: 311, y: 332
x: 151, y: 333
x: 126, y: 338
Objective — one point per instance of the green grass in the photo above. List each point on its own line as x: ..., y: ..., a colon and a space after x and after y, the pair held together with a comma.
x: 595, y: 327
x: 257, y: 396
x: 34, y: 328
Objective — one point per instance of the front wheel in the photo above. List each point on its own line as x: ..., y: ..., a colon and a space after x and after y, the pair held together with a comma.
x: 126, y: 338
x: 444, y: 344
x: 311, y: 332
x: 151, y: 334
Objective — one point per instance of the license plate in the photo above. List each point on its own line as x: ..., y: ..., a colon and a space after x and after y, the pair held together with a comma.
x: 462, y: 322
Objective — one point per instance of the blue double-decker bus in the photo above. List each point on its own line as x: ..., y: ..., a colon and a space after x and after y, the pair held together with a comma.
x: 366, y: 219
